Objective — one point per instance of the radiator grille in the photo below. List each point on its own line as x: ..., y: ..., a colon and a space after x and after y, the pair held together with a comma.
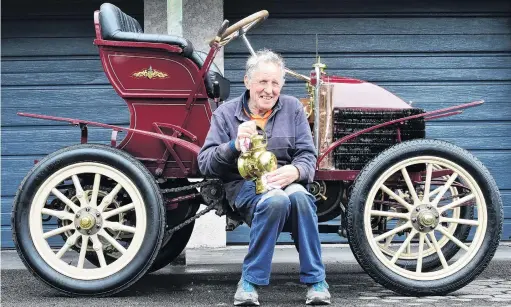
x: 354, y: 154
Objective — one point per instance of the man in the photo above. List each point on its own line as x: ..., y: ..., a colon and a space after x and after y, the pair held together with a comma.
x: 289, y: 138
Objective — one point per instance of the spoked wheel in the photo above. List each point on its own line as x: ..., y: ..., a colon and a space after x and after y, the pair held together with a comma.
x: 95, y: 197
x: 430, y: 258
x: 410, y: 214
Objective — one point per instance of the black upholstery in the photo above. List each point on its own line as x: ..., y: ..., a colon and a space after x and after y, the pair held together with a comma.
x: 118, y: 26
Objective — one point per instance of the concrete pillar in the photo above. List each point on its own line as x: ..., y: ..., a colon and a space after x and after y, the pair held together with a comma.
x: 198, y: 22
x: 155, y: 16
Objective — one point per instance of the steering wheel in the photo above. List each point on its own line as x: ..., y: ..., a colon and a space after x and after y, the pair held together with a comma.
x: 241, y: 27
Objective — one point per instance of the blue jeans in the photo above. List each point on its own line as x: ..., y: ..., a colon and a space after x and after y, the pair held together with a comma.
x: 266, y: 214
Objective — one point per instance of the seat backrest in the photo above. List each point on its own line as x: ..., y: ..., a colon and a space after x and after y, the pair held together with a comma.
x: 115, y: 23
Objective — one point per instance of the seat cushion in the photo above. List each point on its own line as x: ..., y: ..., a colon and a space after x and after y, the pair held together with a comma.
x: 118, y: 26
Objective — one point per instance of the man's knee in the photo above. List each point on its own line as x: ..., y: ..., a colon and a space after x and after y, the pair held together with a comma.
x: 275, y: 202
x: 302, y: 201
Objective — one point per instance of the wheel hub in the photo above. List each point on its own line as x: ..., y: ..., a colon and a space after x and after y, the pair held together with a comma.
x: 88, y: 221
x: 425, y: 218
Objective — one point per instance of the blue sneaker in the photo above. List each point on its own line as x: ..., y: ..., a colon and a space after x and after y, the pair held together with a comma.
x: 246, y: 294
x: 318, y: 294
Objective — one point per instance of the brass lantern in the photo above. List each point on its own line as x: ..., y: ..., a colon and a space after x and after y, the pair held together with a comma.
x: 257, y: 161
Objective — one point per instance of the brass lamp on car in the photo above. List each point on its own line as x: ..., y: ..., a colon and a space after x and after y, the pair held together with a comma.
x: 256, y: 162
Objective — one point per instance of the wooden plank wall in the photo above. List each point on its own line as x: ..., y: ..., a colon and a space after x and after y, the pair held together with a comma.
x: 434, y: 53
x: 50, y: 66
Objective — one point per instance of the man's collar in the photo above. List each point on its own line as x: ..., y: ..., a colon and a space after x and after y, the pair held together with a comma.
x: 240, y: 114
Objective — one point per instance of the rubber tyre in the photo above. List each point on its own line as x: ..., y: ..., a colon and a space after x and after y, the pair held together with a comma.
x: 355, y: 217
x: 148, y: 189
x: 170, y: 251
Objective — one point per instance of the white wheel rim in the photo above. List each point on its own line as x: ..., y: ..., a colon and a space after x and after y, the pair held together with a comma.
x: 407, y: 255
x: 76, y: 270
x: 445, y: 269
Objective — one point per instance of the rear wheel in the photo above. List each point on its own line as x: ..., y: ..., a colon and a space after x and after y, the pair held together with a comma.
x: 177, y: 243
x: 88, y: 219
x: 411, y: 185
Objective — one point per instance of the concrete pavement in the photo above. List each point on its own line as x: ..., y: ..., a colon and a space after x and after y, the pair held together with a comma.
x: 210, y: 277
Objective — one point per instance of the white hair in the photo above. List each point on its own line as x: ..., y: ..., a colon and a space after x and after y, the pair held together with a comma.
x: 264, y: 56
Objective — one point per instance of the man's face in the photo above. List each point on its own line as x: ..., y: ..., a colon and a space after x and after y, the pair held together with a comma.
x: 264, y: 87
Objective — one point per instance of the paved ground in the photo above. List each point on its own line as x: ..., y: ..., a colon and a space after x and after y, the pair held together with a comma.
x: 210, y: 276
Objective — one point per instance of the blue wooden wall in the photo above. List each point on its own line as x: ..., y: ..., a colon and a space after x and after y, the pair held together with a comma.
x: 435, y: 53
x: 50, y: 66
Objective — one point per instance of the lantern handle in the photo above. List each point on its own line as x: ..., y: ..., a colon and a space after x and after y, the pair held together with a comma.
x: 265, y: 137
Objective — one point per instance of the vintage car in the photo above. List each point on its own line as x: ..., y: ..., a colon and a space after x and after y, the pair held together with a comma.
x: 422, y: 216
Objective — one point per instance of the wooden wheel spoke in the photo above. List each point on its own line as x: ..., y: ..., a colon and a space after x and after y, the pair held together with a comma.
x: 459, y: 221
x: 396, y: 197
x: 438, y: 250
x: 61, y: 214
x: 456, y: 203
x: 403, y: 246
x: 69, y: 242
x: 107, y: 200
x: 80, y: 194
x: 404, y: 216
x: 446, y: 233
x: 389, y: 240
x: 444, y: 189
x: 392, y: 232
x: 427, y: 185
x: 58, y: 231
x: 410, y: 186
x: 420, y: 253
x: 112, y: 241
x: 122, y: 209
x: 95, y: 191
x: 83, y: 251
x: 119, y: 227
x: 65, y: 200
x: 98, y: 248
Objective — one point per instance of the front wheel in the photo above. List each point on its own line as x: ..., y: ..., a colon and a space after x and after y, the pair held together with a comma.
x: 98, y: 200
x: 403, y: 217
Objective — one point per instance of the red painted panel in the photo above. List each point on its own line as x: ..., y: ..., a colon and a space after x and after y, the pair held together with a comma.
x: 151, y: 73
x: 146, y: 112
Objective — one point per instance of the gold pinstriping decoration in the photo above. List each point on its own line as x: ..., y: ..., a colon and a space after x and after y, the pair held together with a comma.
x: 150, y: 73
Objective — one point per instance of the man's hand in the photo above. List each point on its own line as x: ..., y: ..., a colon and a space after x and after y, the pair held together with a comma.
x: 283, y: 176
x: 245, y: 130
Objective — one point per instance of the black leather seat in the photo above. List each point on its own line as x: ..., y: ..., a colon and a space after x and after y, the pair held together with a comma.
x: 118, y: 26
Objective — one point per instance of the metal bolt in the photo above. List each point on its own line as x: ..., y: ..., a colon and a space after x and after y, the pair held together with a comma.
x: 98, y: 226
x: 414, y: 220
x: 78, y: 215
x: 78, y: 228
x: 417, y: 209
x: 87, y: 209
x: 429, y: 206
x: 88, y: 232
x: 98, y: 214
x: 213, y: 192
x: 421, y: 228
x: 436, y: 214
